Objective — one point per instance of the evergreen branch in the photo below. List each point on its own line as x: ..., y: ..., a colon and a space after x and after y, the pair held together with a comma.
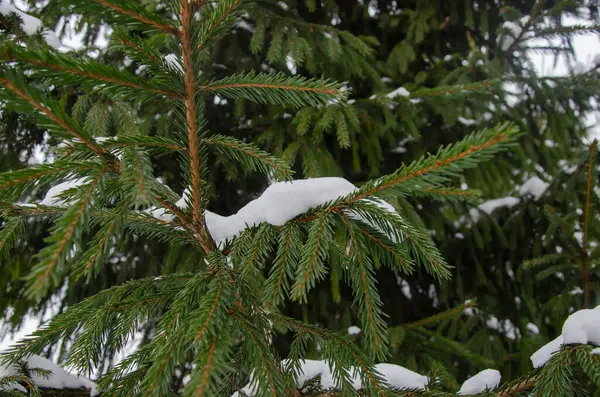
x: 454, y: 89
x: 52, y: 254
x: 310, y: 269
x: 277, y: 89
x: 405, y: 263
x: 586, y: 220
x: 141, y: 48
x: 217, y: 22
x: 521, y: 387
x: 542, y: 260
x: 449, y: 194
x: 14, y: 184
x: 258, y: 250
x: 138, y: 14
x: 437, y: 318
x: 558, y: 31
x: 99, y: 244
x: 250, y: 157
x: 270, y: 373
x: 90, y: 73
x: 367, y: 296
x: 64, y: 124
x: 341, y: 343
x: 191, y: 118
x: 286, y: 261
x: 207, y: 368
x: 459, y: 156
x: 157, y: 143
x: 11, y: 229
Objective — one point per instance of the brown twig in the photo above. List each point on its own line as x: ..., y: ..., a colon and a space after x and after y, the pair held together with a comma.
x: 192, y: 123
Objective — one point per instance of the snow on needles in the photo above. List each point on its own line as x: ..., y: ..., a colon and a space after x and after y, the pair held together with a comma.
x: 583, y: 327
x: 533, y: 186
x: 30, y: 24
x: 281, y: 202
x: 488, y: 379
x: 394, y: 375
x: 53, y: 196
x: 58, y: 379
x: 399, y: 92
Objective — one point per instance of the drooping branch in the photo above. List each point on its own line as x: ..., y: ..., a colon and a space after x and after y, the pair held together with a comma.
x: 53, y: 117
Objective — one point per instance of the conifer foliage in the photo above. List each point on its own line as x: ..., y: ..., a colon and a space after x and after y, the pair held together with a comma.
x: 223, y: 316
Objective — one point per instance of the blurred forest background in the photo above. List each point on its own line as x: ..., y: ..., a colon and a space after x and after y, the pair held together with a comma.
x: 523, y: 251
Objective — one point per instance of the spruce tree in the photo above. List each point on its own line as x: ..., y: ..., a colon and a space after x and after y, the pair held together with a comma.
x: 320, y: 162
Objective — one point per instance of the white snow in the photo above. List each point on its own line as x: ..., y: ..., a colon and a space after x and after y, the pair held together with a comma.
x: 531, y: 327
x: 405, y: 288
x: 353, y: 330
x: 394, y: 375
x: 583, y: 326
x: 399, y: 92
x: 174, y: 61
x: 488, y: 379
x: 491, y: 205
x: 30, y: 24
x: 59, y: 379
x: 52, y: 197
x: 579, y: 68
x: 595, y: 351
x: 533, y: 186
x: 596, y: 59
x: 281, y: 202
x: 515, y: 29
x: 576, y: 291
x: 503, y: 326
x: 544, y: 353
x: 467, y: 121
x: 402, y: 378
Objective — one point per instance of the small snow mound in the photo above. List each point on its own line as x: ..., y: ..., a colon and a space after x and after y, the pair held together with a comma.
x: 491, y: 205
x: 58, y: 379
x: 488, y: 379
x: 466, y: 122
x: 595, y: 351
x: 531, y: 327
x: 533, y: 186
x: 399, y: 92
x: 52, y: 198
x: 30, y: 24
x: 353, y: 330
x: 174, y: 61
x: 402, y: 378
x: 544, y: 353
x: 583, y: 326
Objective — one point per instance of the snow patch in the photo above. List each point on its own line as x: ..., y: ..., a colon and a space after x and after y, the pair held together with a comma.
x: 30, y: 24
x: 581, y: 327
x: 399, y: 92
x: 544, y: 353
x: 491, y: 205
x: 488, y: 379
x: 353, y: 330
x: 531, y: 327
x: 58, y: 379
x: 394, y: 375
x: 174, y: 62
x: 53, y: 196
x: 533, y: 186
x: 467, y: 122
